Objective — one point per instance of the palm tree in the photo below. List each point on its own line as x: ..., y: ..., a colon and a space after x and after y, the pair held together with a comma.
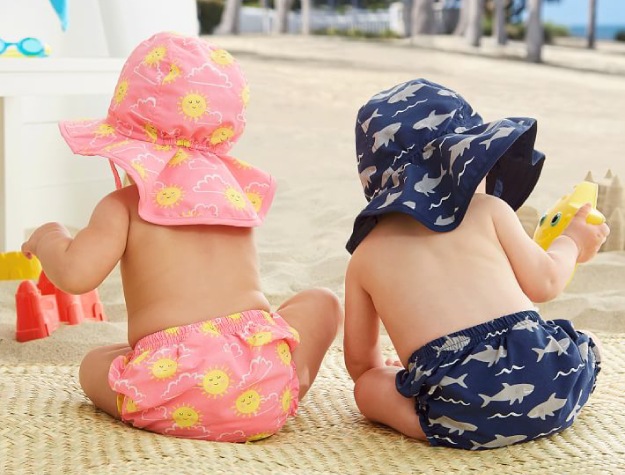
x: 229, y: 23
x: 461, y: 26
x: 592, y: 23
x: 474, y: 21
x: 306, y: 7
x: 282, y: 15
x: 534, y: 36
x: 499, y: 23
x: 422, y: 17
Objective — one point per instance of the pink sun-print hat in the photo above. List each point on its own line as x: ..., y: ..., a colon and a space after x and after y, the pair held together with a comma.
x: 178, y: 107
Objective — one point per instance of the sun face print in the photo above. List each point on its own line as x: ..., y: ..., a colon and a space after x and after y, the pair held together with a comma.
x: 131, y: 406
x: 245, y: 95
x: 284, y: 352
x: 185, y: 417
x: 193, y: 106
x: 286, y: 399
x: 268, y: 317
x: 138, y: 166
x: 182, y: 142
x: 236, y: 199
x: 104, y: 130
x: 259, y: 338
x: 179, y: 158
x: 120, y: 92
x: 295, y: 334
x: 172, y: 330
x: 162, y: 148
x: 172, y: 75
x: 141, y: 358
x: 255, y: 199
x: 164, y: 368
x: 235, y: 316
x: 222, y: 57
x: 116, y: 145
x: 259, y: 436
x: 210, y: 328
x: 242, y: 164
x: 248, y: 403
x: 155, y: 56
x: 215, y: 383
x: 151, y: 132
x: 169, y: 196
x: 221, y: 134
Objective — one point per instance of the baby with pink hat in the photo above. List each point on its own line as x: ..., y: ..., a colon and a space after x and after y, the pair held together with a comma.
x: 206, y: 356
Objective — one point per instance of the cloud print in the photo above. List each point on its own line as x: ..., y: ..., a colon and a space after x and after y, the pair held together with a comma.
x: 234, y: 349
x: 124, y: 387
x: 144, y: 108
x: 199, y: 164
x: 259, y: 368
x: 208, y: 75
x: 180, y: 385
x: 207, y: 184
x: 154, y: 414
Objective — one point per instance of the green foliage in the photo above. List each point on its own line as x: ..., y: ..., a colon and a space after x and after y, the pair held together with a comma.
x: 356, y: 33
x: 620, y: 35
x: 209, y: 13
x: 554, y: 31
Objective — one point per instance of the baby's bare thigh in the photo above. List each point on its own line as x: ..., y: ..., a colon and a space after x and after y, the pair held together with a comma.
x: 93, y: 376
x: 316, y: 314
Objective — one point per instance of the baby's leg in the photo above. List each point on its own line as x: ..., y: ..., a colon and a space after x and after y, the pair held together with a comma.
x: 316, y: 314
x: 94, y: 371
x: 379, y: 401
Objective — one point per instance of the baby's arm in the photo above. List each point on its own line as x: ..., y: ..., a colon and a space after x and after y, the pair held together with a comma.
x: 362, y: 326
x: 80, y: 264
x: 544, y: 274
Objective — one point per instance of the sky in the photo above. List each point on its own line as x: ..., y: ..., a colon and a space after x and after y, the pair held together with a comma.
x: 575, y: 12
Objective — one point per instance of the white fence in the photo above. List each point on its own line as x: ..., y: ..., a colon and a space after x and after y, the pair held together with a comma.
x: 261, y: 20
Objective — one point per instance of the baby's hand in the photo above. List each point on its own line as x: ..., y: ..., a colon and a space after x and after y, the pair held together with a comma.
x: 29, y: 248
x: 587, y: 237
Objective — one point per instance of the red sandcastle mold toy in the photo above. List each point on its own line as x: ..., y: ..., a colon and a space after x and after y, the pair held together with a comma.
x: 41, y: 308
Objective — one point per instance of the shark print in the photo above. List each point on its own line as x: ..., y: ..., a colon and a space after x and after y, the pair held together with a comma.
x: 453, y: 426
x: 404, y: 94
x: 499, y: 441
x: 426, y: 185
x: 448, y: 381
x: 432, y: 121
x: 365, y: 175
x: 527, y: 324
x: 547, y: 408
x: 365, y: 124
x: 454, y: 343
x: 444, y: 221
x: 385, y: 136
x: 553, y: 346
x: 510, y: 393
x: 490, y: 355
x: 501, y: 133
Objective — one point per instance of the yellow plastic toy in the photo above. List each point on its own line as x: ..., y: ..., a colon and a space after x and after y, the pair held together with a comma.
x: 553, y: 222
x: 16, y: 266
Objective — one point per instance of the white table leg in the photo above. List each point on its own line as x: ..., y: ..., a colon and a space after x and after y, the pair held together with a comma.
x: 11, y: 176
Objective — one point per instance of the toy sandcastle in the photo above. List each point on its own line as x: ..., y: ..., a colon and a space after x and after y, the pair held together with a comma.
x: 610, y: 201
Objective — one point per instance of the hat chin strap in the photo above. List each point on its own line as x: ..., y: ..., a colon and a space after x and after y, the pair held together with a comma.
x: 118, y: 181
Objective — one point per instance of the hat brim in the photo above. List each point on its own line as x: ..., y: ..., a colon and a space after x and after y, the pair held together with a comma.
x: 437, y: 190
x: 179, y: 185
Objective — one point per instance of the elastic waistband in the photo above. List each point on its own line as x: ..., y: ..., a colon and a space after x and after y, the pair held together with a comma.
x: 226, y: 325
x: 483, y: 331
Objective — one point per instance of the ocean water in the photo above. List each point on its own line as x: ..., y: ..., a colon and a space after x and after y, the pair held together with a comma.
x: 603, y: 32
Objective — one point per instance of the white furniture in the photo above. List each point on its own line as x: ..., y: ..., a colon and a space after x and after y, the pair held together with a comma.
x: 27, y: 87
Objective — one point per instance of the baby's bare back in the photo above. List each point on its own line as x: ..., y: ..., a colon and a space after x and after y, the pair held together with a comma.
x: 176, y: 275
x: 425, y: 285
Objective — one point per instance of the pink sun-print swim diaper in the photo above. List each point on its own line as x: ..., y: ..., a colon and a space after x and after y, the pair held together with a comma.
x: 229, y: 379
x: 178, y: 108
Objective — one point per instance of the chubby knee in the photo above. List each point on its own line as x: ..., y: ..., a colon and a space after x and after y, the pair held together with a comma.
x: 330, y: 309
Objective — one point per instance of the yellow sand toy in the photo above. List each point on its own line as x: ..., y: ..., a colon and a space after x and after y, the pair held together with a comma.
x: 16, y: 266
x: 553, y: 222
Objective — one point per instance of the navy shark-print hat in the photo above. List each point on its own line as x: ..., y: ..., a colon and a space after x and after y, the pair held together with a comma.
x: 422, y: 150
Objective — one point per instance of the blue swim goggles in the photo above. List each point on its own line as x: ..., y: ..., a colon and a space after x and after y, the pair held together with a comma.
x: 26, y: 47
